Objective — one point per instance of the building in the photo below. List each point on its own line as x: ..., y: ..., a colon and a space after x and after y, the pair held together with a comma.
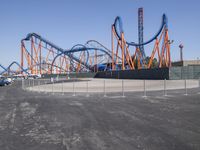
x: 186, y: 63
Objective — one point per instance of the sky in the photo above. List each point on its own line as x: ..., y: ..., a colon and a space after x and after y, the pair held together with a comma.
x: 70, y: 22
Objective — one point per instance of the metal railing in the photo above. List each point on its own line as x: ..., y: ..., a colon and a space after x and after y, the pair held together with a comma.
x: 109, y: 86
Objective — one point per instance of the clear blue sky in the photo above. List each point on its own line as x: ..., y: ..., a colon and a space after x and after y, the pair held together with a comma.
x: 68, y: 22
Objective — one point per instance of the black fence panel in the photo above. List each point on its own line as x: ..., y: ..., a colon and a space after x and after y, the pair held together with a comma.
x: 149, y: 74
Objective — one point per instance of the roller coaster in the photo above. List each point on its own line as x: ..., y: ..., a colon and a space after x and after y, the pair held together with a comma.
x: 8, y: 71
x: 40, y: 56
x: 132, y: 59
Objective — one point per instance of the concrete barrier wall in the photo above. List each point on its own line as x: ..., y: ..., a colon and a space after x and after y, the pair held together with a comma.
x: 155, y: 74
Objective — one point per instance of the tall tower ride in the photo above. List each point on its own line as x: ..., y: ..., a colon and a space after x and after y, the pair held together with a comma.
x: 140, y: 31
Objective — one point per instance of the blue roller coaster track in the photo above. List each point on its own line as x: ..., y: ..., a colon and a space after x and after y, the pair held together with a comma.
x: 119, y: 30
x: 88, y: 47
x: 74, y: 49
x: 8, y: 69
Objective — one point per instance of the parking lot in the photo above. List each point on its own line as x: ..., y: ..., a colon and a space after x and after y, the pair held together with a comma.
x: 33, y: 120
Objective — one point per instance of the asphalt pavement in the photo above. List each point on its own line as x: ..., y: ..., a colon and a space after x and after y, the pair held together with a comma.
x: 39, y: 121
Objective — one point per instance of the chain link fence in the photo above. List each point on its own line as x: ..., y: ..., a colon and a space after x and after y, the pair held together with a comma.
x: 186, y: 72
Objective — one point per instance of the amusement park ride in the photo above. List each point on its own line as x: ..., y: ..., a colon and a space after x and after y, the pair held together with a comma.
x: 40, y: 56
